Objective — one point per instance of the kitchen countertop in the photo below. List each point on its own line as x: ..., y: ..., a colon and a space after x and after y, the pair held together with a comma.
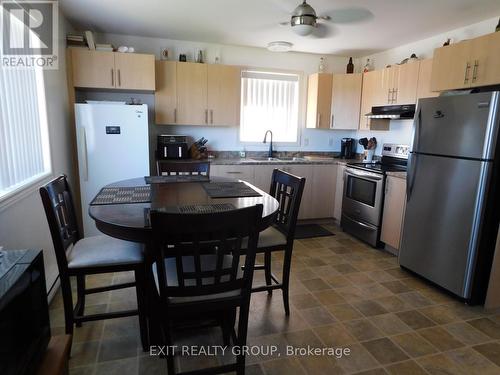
x: 264, y: 161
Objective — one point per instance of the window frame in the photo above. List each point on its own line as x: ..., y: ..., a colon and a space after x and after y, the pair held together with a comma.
x: 301, y: 117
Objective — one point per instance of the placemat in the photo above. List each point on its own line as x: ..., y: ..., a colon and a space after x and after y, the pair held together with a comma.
x: 174, y: 179
x: 190, y: 209
x: 229, y: 190
x: 122, y: 195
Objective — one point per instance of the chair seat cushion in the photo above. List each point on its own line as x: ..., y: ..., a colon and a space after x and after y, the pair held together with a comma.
x: 104, y: 251
x: 269, y: 237
x: 208, y: 262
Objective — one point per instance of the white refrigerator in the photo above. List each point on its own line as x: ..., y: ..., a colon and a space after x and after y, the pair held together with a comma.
x: 113, y: 145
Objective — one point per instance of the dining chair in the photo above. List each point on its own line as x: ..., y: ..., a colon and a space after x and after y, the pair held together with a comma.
x: 79, y: 257
x: 192, y: 168
x: 198, y: 273
x: 287, y: 189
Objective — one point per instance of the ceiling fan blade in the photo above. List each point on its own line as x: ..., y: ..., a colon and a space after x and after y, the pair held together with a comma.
x: 323, y: 31
x: 349, y: 15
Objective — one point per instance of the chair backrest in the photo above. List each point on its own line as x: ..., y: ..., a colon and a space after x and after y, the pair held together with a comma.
x: 188, y: 238
x: 183, y: 168
x: 287, y: 189
x: 60, y: 211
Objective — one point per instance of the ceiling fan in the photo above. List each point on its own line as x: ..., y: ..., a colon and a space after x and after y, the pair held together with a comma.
x: 304, y: 19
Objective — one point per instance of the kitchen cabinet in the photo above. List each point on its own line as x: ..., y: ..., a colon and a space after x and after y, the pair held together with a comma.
x: 135, y: 71
x: 322, y: 190
x: 93, y: 69
x: 393, y: 214
x: 339, y: 192
x: 346, y: 101
x: 319, y: 101
x: 192, y: 94
x: 406, y: 82
x: 237, y: 171
x: 263, y: 176
x: 372, y: 94
x: 224, y: 95
x: 424, y: 80
x: 112, y: 70
x: 471, y: 63
x: 166, y: 92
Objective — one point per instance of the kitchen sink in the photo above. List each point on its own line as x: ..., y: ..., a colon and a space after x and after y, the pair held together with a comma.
x: 276, y: 159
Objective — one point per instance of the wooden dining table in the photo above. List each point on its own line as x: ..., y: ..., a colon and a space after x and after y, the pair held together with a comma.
x: 130, y: 221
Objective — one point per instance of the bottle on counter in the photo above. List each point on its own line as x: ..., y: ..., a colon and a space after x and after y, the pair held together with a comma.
x: 350, y: 66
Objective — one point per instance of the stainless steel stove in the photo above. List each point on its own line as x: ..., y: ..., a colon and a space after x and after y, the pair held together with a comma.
x: 364, y: 186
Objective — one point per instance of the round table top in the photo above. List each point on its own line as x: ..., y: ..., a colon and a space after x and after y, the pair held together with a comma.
x: 129, y: 221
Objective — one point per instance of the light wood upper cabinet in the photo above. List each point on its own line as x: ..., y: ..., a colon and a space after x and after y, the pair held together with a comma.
x: 451, y: 67
x: 166, y: 92
x: 192, y: 94
x: 424, y: 80
x: 319, y: 99
x: 346, y: 100
x: 394, y: 208
x: 224, y: 90
x: 471, y: 63
x: 135, y: 71
x: 372, y: 95
x: 406, y: 82
x: 93, y: 69
x: 112, y: 70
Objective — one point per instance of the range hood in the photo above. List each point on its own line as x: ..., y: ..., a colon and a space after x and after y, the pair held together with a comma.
x: 393, y: 112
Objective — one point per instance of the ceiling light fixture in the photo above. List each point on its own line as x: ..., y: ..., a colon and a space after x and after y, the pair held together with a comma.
x: 279, y: 46
x: 303, y: 19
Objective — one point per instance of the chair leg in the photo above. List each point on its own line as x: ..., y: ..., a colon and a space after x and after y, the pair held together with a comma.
x: 141, y: 307
x: 267, y: 270
x: 287, y: 263
x: 170, y: 354
x: 80, y: 292
x: 68, y: 304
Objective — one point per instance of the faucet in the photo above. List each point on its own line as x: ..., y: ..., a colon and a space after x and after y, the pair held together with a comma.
x: 270, y: 153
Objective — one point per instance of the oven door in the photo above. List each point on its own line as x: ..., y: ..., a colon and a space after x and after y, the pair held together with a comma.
x: 363, y: 195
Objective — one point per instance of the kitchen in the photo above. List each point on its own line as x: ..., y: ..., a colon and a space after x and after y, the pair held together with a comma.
x: 367, y: 127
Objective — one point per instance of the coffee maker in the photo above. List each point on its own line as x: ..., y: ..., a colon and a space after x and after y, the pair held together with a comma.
x: 347, y: 148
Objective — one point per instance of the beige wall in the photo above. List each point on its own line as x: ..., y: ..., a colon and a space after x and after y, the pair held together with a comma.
x: 22, y: 221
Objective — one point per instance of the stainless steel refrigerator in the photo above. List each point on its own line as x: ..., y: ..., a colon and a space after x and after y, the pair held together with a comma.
x: 451, y: 217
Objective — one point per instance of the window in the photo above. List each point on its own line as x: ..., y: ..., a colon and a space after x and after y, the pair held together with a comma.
x: 24, y: 141
x: 269, y: 100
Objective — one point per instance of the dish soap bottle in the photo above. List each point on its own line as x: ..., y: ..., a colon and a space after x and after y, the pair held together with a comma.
x: 350, y: 67
x: 368, y: 66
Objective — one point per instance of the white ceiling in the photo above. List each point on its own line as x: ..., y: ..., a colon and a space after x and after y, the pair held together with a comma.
x: 384, y: 23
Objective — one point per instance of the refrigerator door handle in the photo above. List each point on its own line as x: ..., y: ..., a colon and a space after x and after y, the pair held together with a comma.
x: 83, y: 147
x: 412, y: 171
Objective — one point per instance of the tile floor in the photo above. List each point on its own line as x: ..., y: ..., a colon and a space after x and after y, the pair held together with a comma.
x: 343, y: 294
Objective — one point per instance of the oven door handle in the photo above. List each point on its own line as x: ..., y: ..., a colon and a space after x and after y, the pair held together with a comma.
x: 356, y: 173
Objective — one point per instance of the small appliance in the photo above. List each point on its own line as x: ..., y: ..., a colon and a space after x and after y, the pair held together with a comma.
x: 347, y: 148
x: 172, y: 147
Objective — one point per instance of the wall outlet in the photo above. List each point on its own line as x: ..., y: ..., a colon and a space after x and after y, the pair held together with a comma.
x: 306, y: 141
x: 330, y: 142
x: 243, y: 154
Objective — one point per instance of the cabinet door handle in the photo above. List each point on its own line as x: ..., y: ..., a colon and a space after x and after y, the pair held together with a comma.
x: 332, y: 122
x: 206, y: 116
x: 211, y: 116
x: 119, y: 78
x: 318, y: 120
x: 112, y: 77
x: 394, y: 96
x: 474, y: 71
x: 467, y: 69
x: 175, y: 114
x: 233, y: 172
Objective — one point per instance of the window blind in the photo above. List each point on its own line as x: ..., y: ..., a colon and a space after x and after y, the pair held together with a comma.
x: 24, y: 145
x: 269, y: 101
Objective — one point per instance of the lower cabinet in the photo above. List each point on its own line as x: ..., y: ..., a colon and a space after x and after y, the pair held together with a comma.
x: 318, y: 199
x: 394, y: 208
x: 339, y: 192
x: 240, y: 172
